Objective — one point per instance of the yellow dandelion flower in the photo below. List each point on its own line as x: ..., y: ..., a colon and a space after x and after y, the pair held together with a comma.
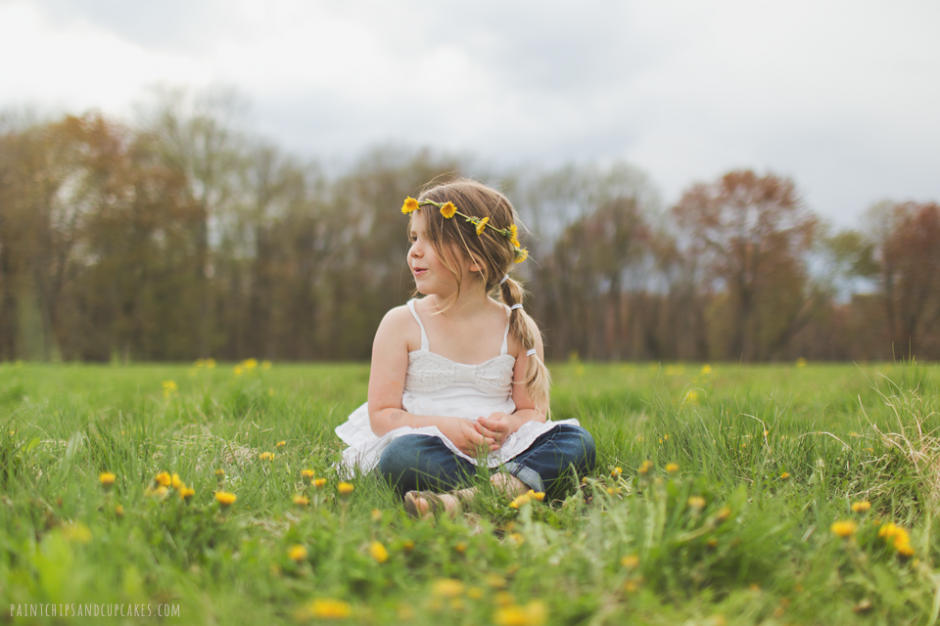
x: 447, y: 588
x: 461, y: 547
x: 280, y: 444
x: 107, y: 480
x: 119, y: 511
x: 301, y: 500
x: 376, y: 515
x: 801, y: 362
x: 481, y: 225
x: 187, y: 493
x: 448, y: 210
x: 706, y: 369
x: 238, y: 370
x: 616, y: 472
x: 645, y: 467
x: 532, y: 614
x: 536, y: 495
x: 330, y: 609
x: 169, y: 388
x: 409, y: 545
x: 266, y: 456
x: 843, y: 529
x: 409, y: 206
x: 723, y: 513
x: 76, y: 532
x: 518, y: 501
x: 475, y: 593
x: 691, y: 398
x: 250, y: 364
x: 297, y: 553
x: 307, y: 473
x: 378, y: 552
x: 521, y: 255
x: 904, y: 549
x: 896, y: 536
x: 784, y: 476
x: 319, y: 483
x: 225, y: 499
x: 495, y: 581
x: 630, y: 561
x: 159, y: 493
x: 344, y: 489
x: 210, y: 363
x: 163, y: 479
x: 672, y: 468
x: 220, y: 473
x: 696, y: 502
x: 503, y: 598
x: 861, y: 507
x: 175, y: 481
x: 514, y: 235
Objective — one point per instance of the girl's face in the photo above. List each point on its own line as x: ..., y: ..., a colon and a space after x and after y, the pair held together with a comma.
x: 430, y: 274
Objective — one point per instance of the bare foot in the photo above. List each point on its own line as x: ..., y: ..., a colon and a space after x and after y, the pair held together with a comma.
x: 508, y: 485
x: 424, y: 504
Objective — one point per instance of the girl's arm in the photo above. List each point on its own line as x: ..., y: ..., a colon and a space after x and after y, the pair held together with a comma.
x: 500, y: 425
x: 387, y: 382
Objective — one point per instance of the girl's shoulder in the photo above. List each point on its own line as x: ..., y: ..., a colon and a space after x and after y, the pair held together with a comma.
x: 399, y: 325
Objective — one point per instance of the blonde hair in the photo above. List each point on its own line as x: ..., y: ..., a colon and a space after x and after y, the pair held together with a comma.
x: 495, y: 256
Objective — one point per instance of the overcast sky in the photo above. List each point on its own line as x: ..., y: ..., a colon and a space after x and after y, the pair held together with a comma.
x: 844, y: 97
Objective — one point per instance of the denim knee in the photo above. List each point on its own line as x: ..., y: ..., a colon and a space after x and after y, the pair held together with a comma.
x: 399, y: 458
x: 579, y: 444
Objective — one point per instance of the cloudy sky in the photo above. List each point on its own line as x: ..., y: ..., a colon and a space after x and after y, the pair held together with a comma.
x: 844, y: 97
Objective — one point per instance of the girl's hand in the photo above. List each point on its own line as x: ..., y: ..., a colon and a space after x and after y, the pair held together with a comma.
x: 498, y: 426
x: 466, y: 437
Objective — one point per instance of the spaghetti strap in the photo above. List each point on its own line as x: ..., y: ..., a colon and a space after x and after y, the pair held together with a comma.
x: 504, y: 349
x: 424, y: 336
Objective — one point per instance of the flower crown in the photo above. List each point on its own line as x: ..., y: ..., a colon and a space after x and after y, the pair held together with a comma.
x: 448, y: 210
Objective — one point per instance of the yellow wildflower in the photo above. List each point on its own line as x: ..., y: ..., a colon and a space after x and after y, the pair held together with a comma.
x: 495, y: 581
x: 723, y: 514
x: 518, y: 501
x: 475, y: 593
x: 706, y: 369
x: 784, y: 476
x: 409, y: 545
x: 76, y: 532
x: 250, y: 364
x: 691, y: 398
x: 447, y: 588
x: 280, y: 444
x: 630, y: 561
x: 503, y: 598
x: 645, y: 467
x: 410, y: 205
x: 378, y: 552
x: 801, y: 362
x: 266, y: 456
x: 319, y: 483
x: 616, y: 472
x: 448, y: 210
x: 696, y: 502
x: 220, y: 473
x: 176, y: 482
x: 238, y: 370
x: 330, y: 609
x: 861, y: 507
x: 119, y: 511
x: 376, y: 515
x: 536, y: 495
x: 163, y: 479
x: 481, y: 225
x: 297, y: 553
x: 300, y: 500
x: 169, y: 388
x: 461, y: 547
x: 532, y: 614
x: 898, y: 537
x: 904, y: 549
x: 225, y: 499
x: 514, y: 235
x: 521, y: 255
x: 843, y: 529
x: 344, y: 489
x: 107, y: 480
x: 187, y: 493
x: 307, y: 473
x: 159, y: 493
x: 672, y: 468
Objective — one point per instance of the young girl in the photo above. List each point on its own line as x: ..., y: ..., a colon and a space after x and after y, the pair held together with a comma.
x: 457, y: 378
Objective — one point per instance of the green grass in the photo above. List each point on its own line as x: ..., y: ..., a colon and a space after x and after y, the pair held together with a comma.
x: 757, y: 549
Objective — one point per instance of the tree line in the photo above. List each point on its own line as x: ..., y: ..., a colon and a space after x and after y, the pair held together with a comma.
x: 182, y: 235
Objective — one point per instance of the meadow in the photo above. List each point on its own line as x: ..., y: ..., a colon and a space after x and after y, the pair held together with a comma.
x: 723, y: 494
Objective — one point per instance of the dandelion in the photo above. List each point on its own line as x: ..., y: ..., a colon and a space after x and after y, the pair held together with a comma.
x: 250, y: 364
x: 238, y: 370
x: 536, y: 495
x: 514, y: 235
x: 696, y: 502
x: 76, y: 532
x: 495, y: 581
x: 706, y: 369
x: 475, y: 593
x: 163, y: 479
x: 169, y: 388
x: 723, y: 514
x: 410, y: 205
x: 376, y: 515
x: 225, y: 499
x: 330, y: 609
x: 159, y: 493
x: 672, y: 468
x: 301, y: 501
x: 898, y: 537
x: 319, y: 483
x: 297, y: 553
x: 784, y: 476
x: 409, y: 545
x: 266, y: 456
x: 378, y: 552
x: 344, y: 489
x: 280, y: 444
x: 532, y: 614
x: 176, y: 482
x: 447, y: 588
x: 616, y: 472
x: 186, y: 494
x: 645, y: 467
x: 307, y: 473
x: 521, y: 255
x: 461, y: 547
x: 801, y: 362
x: 481, y: 225
x: 630, y: 561
x: 861, y: 507
x: 843, y: 529
x: 220, y: 473
x: 521, y: 500
x: 448, y: 210
x: 107, y: 480
x: 119, y: 511
x: 265, y: 365
x: 691, y: 398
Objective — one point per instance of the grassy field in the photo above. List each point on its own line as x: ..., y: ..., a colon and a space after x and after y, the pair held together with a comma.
x: 714, y: 502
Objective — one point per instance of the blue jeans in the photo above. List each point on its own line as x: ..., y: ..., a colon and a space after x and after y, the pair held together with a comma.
x: 414, y: 462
